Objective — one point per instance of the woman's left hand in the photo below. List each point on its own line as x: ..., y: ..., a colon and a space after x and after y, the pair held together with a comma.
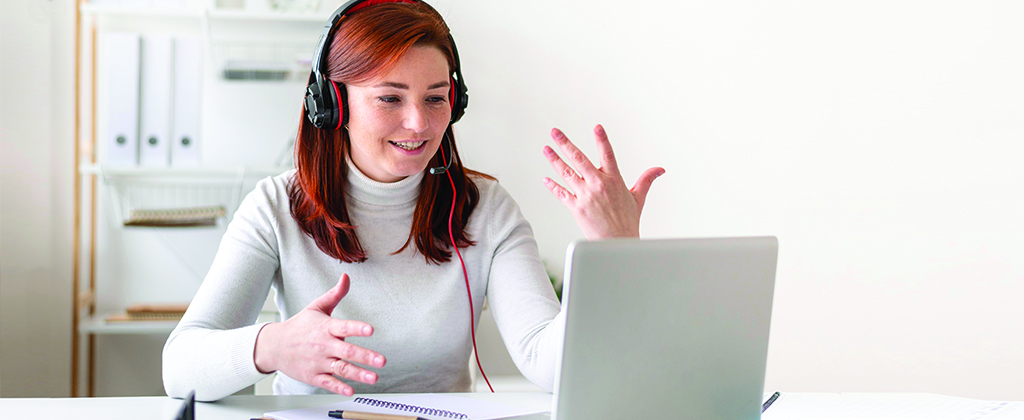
x: 602, y: 204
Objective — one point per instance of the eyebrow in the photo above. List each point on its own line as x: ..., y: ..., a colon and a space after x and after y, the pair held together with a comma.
x: 405, y: 86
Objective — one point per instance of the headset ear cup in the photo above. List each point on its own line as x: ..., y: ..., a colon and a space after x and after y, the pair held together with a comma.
x: 321, y: 104
x: 459, y: 100
x: 331, y: 110
x: 314, y: 102
x: 325, y: 103
x: 451, y: 91
x: 342, y: 100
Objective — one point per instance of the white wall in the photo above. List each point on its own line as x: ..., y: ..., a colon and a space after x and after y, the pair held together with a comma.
x: 879, y: 141
x: 36, y: 159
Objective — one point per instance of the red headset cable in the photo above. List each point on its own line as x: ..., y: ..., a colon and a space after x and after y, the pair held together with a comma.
x: 472, y: 328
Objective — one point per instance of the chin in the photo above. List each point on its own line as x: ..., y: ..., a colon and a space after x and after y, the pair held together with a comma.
x: 409, y: 170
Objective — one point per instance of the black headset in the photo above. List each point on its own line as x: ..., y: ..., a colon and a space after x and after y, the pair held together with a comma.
x: 327, y: 102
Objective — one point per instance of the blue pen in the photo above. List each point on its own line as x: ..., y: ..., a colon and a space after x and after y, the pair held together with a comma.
x: 768, y: 403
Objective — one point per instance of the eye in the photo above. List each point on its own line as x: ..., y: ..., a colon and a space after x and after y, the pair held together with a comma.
x: 436, y: 99
x: 388, y: 99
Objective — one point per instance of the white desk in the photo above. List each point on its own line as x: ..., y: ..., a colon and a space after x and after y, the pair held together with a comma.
x: 242, y: 407
x: 796, y: 405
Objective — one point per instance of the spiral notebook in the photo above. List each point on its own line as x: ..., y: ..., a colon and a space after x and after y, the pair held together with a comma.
x: 430, y: 406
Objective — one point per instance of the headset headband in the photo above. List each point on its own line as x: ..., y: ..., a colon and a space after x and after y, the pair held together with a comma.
x: 332, y: 26
x: 326, y: 101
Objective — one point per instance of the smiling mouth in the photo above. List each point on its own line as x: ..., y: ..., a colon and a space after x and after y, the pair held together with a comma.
x: 409, y: 145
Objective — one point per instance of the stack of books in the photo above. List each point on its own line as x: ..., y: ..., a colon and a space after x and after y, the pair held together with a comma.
x: 194, y: 216
x: 162, y: 312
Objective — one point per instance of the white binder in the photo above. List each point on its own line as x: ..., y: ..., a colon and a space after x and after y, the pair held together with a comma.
x: 155, y: 109
x: 121, y: 63
x: 186, y: 140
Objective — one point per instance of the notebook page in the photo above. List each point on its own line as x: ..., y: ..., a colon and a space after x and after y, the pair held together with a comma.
x: 888, y: 407
x: 918, y: 407
x: 1014, y: 412
x: 475, y: 409
x: 803, y: 406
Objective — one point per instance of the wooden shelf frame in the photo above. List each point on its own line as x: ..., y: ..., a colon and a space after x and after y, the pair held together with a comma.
x: 85, y: 320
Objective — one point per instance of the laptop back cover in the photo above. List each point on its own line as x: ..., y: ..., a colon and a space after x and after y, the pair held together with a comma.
x: 672, y: 328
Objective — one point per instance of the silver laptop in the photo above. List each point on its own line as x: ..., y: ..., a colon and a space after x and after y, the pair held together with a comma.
x: 660, y: 329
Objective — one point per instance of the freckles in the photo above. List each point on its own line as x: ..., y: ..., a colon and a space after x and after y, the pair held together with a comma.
x: 382, y: 121
x: 441, y: 118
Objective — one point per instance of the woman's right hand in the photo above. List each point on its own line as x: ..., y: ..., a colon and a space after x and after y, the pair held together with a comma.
x: 311, y: 347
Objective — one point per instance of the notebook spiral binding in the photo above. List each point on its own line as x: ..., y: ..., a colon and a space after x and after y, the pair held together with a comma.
x: 411, y: 408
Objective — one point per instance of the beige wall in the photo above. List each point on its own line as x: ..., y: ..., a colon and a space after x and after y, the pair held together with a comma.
x: 36, y: 160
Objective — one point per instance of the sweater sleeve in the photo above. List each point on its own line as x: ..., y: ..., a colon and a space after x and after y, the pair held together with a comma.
x: 520, y: 295
x: 211, y: 349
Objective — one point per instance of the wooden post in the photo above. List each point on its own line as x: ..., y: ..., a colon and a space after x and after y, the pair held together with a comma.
x: 92, y: 221
x: 76, y: 235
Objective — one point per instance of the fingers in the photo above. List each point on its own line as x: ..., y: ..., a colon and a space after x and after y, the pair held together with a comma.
x: 347, y: 328
x: 345, y: 370
x: 326, y: 302
x: 574, y: 154
x: 330, y: 383
x: 643, y: 185
x: 566, y: 171
x: 561, y: 193
x: 352, y: 353
x: 350, y: 371
x: 343, y: 364
x: 604, y: 148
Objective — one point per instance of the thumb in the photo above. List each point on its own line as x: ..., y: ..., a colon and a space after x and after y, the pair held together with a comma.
x: 643, y: 185
x: 326, y: 302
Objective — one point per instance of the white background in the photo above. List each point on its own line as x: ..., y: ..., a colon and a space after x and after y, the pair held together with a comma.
x: 881, y: 142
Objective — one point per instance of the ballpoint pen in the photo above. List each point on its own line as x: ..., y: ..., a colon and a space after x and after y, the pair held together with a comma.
x: 358, y: 415
x: 768, y: 403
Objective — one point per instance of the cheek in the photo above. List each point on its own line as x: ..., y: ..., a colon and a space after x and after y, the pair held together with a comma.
x: 383, y: 121
x: 440, y: 118
x: 371, y: 121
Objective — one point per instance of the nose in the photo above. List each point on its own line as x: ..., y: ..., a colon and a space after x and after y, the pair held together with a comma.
x: 416, y: 119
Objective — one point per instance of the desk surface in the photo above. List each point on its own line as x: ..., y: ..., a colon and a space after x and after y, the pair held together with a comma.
x: 791, y: 406
x: 240, y: 407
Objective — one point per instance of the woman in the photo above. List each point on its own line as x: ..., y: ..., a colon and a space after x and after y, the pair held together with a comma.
x: 356, y: 241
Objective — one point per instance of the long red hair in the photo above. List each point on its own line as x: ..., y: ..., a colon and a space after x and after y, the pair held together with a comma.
x: 368, y: 43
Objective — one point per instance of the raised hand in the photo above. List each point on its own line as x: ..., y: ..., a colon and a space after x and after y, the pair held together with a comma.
x: 310, y: 346
x: 602, y: 204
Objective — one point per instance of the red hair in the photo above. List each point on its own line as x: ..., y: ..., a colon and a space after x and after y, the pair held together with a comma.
x: 368, y: 43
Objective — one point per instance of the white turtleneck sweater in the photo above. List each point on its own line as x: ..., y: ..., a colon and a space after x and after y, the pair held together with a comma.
x: 419, y: 310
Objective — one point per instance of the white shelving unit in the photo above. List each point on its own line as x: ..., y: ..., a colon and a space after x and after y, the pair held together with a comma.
x: 88, y: 9
x: 231, y: 179
x: 199, y: 12
x: 99, y: 325
x: 149, y: 188
x: 131, y: 187
x: 215, y: 14
x: 198, y: 173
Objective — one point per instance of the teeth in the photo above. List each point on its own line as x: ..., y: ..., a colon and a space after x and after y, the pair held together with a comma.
x: 409, y: 145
